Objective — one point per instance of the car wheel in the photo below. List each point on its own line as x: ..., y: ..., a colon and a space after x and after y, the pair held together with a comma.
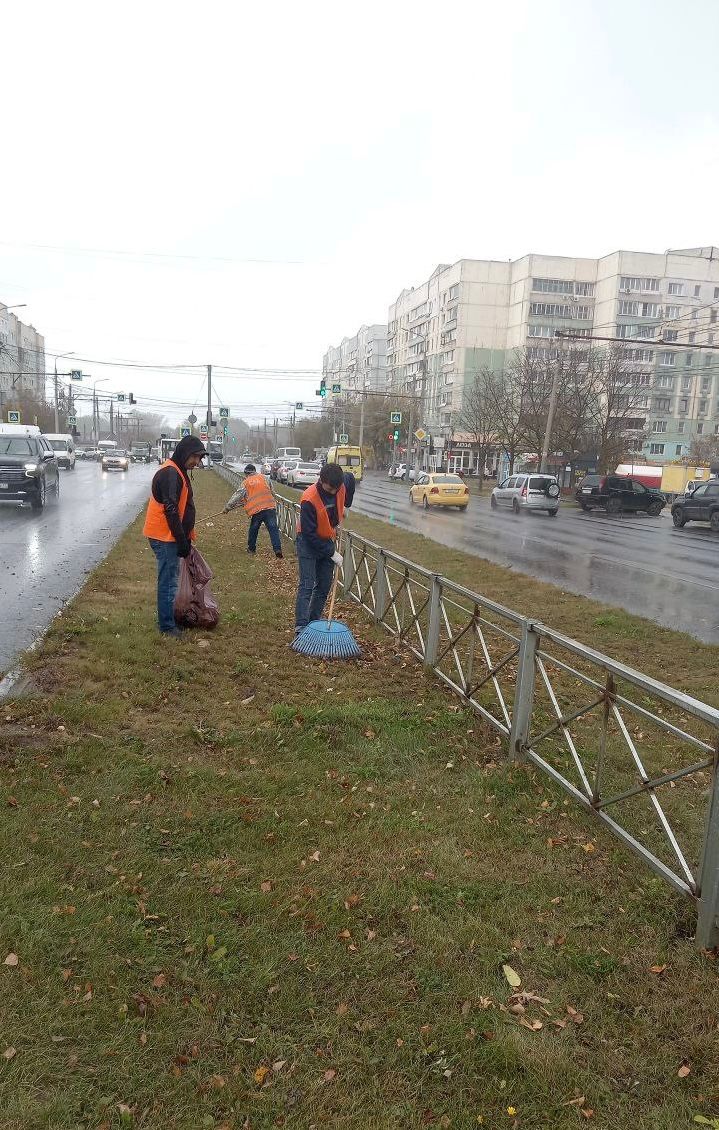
x: 411, y: 499
x: 463, y: 507
x: 655, y: 509
x: 40, y: 498
x: 679, y: 518
x: 515, y: 505
x: 552, y: 513
x: 714, y: 521
x: 613, y: 506
x: 57, y: 487
x: 583, y: 506
x: 425, y: 502
x: 493, y: 502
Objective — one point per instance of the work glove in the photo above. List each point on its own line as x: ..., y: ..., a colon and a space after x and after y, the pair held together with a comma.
x: 183, y: 549
x: 337, y: 558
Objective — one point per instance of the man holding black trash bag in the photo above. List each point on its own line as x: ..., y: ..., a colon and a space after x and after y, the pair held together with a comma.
x: 170, y: 525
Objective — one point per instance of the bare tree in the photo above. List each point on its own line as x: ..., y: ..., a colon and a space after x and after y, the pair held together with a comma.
x: 477, y: 419
x: 503, y: 394
x: 705, y: 449
x: 617, y: 406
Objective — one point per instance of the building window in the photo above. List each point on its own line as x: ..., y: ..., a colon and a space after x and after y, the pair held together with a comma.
x: 670, y: 335
x: 693, y: 315
x: 641, y: 356
x: 684, y: 405
x: 638, y: 309
x: 664, y: 380
x: 702, y: 407
x: 716, y: 291
x: 662, y: 404
x: 679, y: 448
x: 666, y: 359
x: 671, y: 312
x: 540, y: 331
x: 659, y: 426
x: 630, y: 282
x: 692, y: 335
x: 584, y: 289
x: 676, y: 288
x: 680, y: 427
x: 453, y: 292
x: 687, y: 359
x: 645, y: 332
x: 564, y: 286
x: 656, y: 448
x: 559, y: 310
x: 712, y: 317
x: 700, y: 429
x: 697, y: 291
x: 686, y: 382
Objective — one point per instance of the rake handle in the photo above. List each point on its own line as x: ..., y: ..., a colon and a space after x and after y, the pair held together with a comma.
x: 333, y: 594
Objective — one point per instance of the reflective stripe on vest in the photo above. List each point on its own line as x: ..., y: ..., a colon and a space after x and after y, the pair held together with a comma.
x: 156, y: 524
x: 325, y: 528
x: 259, y: 495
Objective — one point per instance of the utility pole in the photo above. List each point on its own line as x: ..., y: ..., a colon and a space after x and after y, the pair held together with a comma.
x: 361, y: 427
x: 275, y: 431
x: 551, y: 412
x: 112, y: 433
x: 57, y: 419
x: 209, y: 399
x: 264, y: 437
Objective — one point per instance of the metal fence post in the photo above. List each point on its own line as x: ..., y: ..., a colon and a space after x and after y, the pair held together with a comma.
x: 349, y: 568
x: 380, y: 587
x: 431, y: 650
x: 524, y: 692
x: 708, y: 916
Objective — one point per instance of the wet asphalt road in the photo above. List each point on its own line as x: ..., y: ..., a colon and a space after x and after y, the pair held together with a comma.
x: 44, y: 558
x: 635, y: 562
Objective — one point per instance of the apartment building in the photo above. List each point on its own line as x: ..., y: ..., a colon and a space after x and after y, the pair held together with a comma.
x: 359, y: 363
x: 22, y: 358
x: 476, y: 313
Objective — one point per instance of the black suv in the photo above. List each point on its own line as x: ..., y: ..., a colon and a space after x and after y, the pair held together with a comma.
x: 29, y: 470
x: 702, y: 505
x: 615, y: 493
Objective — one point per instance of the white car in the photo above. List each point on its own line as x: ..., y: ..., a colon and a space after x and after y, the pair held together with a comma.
x: 399, y: 471
x: 303, y: 475
x: 115, y: 460
x: 285, y: 468
x: 266, y: 466
x: 527, y: 492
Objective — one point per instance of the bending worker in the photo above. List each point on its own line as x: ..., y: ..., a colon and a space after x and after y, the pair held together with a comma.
x: 170, y: 524
x: 322, y: 508
x: 259, y: 504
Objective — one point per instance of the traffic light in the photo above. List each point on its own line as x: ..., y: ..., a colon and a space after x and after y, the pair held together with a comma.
x: 132, y: 398
x: 396, y: 435
x: 323, y: 387
x: 390, y: 437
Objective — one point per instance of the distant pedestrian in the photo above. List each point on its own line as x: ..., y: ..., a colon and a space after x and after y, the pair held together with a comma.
x: 322, y: 508
x: 259, y: 504
x: 170, y: 524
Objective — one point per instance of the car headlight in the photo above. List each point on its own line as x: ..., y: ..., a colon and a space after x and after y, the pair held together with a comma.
x: 30, y: 468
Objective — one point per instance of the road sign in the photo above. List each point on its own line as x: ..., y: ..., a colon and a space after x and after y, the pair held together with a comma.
x: 299, y: 406
x: 76, y: 374
x: 344, y: 438
x: 204, y: 431
x: 120, y: 397
x: 224, y: 413
x: 420, y: 434
x: 71, y: 421
x: 192, y: 418
x: 13, y: 417
x: 395, y: 417
x: 336, y: 389
x: 185, y: 432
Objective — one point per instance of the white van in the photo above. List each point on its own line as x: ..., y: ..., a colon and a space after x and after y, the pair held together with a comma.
x: 19, y: 429
x: 63, y: 445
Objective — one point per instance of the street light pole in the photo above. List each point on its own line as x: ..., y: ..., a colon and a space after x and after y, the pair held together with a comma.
x: 58, y: 357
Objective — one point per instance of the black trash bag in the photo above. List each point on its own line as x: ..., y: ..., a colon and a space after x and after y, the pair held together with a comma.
x: 195, y: 606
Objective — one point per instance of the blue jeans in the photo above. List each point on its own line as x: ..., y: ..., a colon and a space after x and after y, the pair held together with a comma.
x: 269, y: 518
x: 168, y: 568
x: 314, y: 585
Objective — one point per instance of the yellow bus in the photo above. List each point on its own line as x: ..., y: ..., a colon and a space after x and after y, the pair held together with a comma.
x: 349, y: 459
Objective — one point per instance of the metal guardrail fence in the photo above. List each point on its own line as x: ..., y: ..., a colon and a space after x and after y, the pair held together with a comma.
x: 640, y: 756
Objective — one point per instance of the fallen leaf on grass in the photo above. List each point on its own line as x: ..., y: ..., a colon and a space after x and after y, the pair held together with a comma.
x: 657, y: 968
x: 513, y: 977
x: 344, y: 935
x: 588, y: 847
x: 260, y: 1074
x: 533, y: 1025
x: 575, y: 1102
x: 315, y: 857
x: 351, y: 901
x: 203, y: 643
x: 329, y: 1075
x: 684, y: 1070
x: 266, y: 886
x: 160, y: 981
x: 342, y: 1008
x: 12, y: 959
x: 587, y: 1112
x: 577, y: 1017
x: 9, y: 1053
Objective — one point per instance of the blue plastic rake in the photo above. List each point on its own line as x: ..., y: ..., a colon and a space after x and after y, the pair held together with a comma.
x: 327, y: 639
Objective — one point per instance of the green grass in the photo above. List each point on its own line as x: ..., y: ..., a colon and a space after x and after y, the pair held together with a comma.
x: 248, y: 890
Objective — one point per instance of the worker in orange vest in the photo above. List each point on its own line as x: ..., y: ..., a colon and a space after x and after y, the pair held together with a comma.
x: 170, y: 524
x: 322, y: 508
x: 259, y: 504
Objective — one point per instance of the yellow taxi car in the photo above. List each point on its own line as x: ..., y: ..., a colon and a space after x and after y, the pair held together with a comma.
x: 439, y: 489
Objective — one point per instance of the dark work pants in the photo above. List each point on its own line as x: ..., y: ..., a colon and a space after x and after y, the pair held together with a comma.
x: 314, y: 585
x: 168, y: 568
x: 269, y: 518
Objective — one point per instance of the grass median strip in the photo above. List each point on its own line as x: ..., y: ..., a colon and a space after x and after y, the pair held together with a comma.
x: 243, y: 889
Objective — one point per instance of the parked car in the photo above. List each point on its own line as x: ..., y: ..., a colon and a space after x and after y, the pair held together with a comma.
x: 266, y: 467
x: 140, y: 452
x: 304, y: 474
x: 527, y: 492
x: 115, y: 460
x: 284, y: 469
x: 275, y: 468
x: 399, y: 471
x: 702, y: 505
x: 439, y: 489
x: 618, y: 493
x: 29, y: 470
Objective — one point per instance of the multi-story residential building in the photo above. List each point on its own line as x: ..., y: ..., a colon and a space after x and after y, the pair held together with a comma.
x: 22, y: 358
x: 476, y: 313
x: 359, y: 363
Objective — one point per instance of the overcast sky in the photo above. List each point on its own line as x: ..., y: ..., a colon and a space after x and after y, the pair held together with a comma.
x: 244, y: 184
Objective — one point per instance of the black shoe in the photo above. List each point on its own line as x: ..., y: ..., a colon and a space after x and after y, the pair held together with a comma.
x: 251, y: 551
x: 280, y: 556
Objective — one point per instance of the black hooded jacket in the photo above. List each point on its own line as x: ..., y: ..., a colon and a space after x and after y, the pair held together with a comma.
x: 167, y: 487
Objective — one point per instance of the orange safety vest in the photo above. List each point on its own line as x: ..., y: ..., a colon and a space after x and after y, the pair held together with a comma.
x: 324, y: 526
x: 156, y: 524
x: 259, y: 495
